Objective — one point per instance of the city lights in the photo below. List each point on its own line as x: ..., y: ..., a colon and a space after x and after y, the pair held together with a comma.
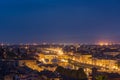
x: 49, y: 57
x: 103, y: 43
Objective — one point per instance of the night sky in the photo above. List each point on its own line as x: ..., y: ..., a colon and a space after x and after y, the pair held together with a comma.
x: 27, y: 21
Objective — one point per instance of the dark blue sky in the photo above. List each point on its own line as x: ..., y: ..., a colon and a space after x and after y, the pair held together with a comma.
x: 59, y: 20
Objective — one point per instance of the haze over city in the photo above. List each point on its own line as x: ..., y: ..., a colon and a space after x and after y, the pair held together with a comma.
x: 27, y: 21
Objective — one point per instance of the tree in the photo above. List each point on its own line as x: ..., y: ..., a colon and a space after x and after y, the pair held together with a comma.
x: 76, y: 74
x: 101, y: 77
x: 81, y: 75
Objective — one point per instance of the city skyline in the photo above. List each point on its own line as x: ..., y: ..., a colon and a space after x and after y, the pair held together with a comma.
x: 72, y: 21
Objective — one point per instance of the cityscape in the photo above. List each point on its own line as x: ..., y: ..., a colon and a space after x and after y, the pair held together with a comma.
x: 59, y: 39
x: 60, y: 62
